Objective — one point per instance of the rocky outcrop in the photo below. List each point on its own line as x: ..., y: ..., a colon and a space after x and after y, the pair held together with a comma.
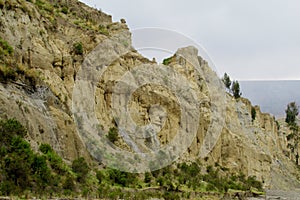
x: 45, y: 39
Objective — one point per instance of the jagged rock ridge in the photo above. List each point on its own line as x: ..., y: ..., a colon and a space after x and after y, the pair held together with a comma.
x: 46, y: 40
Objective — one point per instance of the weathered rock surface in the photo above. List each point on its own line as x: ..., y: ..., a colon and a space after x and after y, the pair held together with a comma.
x: 44, y: 42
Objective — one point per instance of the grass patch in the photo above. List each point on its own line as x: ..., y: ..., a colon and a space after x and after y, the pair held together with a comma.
x: 29, y: 77
x: 167, y: 61
x: 78, y: 48
x: 44, y: 5
x: 5, y: 48
x: 65, y: 10
x: 103, y: 30
x: 7, y: 73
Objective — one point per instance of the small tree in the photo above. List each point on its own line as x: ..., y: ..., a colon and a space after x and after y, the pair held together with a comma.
x: 226, y: 80
x: 81, y: 168
x: 235, y: 87
x: 292, y: 112
x: 253, y: 113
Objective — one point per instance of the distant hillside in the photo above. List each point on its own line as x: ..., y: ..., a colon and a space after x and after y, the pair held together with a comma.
x: 271, y: 96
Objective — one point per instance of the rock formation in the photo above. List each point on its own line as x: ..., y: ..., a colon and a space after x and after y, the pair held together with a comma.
x: 51, y: 41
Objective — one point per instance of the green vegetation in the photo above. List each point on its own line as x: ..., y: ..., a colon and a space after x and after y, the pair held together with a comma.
x: 189, y: 176
x: 65, y: 10
x: 12, y: 73
x: 119, y: 178
x: 52, y: 10
x: 113, y: 135
x: 232, y: 86
x: 253, y: 113
x: 81, y: 168
x: 292, y: 112
x: 45, y: 174
x: 226, y: 80
x: 90, y: 25
x: 44, y: 5
x: 7, y: 73
x: 78, y: 48
x: 103, y: 30
x: 23, y: 171
x: 167, y: 61
x: 18, y: 164
x: 235, y: 88
x: 173, y: 182
x: 5, y: 49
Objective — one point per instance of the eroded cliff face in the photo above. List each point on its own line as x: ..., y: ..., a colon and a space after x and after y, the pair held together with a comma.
x: 45, y: 42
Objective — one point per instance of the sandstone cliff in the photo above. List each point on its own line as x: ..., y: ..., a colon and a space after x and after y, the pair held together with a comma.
x: 51, y: 40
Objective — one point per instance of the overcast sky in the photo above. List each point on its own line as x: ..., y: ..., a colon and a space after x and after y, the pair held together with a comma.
x: 248, y: 39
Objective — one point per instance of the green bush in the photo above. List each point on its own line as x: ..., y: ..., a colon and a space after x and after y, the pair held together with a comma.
x: 170, y: 196
x: 15, y: 164
x: 11, y: 128
x: 81, y: 168
x: 78, y: 48
x: 45, y: 148
x: 160, y: 180
x: 5, y: 48
x: 226, y: 80
x: 42, y: 172
x: 56, y: 162
x: 235, y: 88
x: 69, y: 183
x: 167, y: 61
x: 113, y: 135
x: 252, y: 182
x: 45, y: 172
x: 148, y: 177
x: 39, y: 3
x: 22, y: 170
x: 100, y: 176
x: 253, y: 113
x: 124, y: 179
x: 65, y: 10
x: 292, y: 113
x: 7, y: 73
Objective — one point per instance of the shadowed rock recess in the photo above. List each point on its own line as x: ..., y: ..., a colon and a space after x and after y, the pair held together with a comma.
x: 51, y: 40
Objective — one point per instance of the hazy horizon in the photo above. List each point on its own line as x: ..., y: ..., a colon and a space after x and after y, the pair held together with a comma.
x: 271, y: 96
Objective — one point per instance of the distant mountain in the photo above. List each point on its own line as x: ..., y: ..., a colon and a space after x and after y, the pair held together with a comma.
x: 271, y: 96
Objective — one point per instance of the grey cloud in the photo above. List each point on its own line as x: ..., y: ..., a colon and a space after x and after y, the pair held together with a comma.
x: 249, y: 39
